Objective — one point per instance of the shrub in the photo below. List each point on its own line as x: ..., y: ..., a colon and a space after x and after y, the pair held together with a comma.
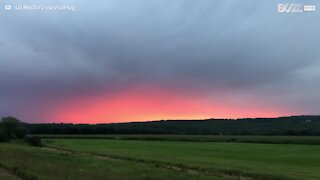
x: 3, y: 136
x: 20, y: 132
x: 34, y: 140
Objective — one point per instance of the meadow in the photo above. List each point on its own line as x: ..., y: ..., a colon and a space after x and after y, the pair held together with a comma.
x: 312, y: 140
x: 178, y: 158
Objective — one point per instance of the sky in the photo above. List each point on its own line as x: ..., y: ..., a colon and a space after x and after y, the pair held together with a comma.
x: 139, y: 60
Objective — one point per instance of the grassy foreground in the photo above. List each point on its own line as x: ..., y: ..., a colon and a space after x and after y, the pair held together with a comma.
x: 259, y: 161
x: 146, y: 159
x: 4, y: 175
x: 29, y: 162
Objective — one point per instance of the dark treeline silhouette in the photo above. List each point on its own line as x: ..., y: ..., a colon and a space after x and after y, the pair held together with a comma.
x: 295, y: 125
x: 11, y: 128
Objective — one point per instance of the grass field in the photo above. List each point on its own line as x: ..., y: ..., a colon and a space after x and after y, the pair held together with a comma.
x: 146, y: 159
x: 42, y: 163
x: 257, y: 160
x: 313, y: 140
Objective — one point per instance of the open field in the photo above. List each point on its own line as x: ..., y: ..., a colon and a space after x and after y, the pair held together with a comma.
x: 81, y: 158
x: 265, y: 161
x: 43, y: 163
x: 312, y: 140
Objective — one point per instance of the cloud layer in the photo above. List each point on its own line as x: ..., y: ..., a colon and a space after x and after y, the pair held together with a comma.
x: 228, y: 52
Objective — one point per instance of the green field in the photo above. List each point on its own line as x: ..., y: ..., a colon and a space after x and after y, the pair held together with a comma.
x: 42, y: 163
x: 146, y: 159
x: 315, y: 140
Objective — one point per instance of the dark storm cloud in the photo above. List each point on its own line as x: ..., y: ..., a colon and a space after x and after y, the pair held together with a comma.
x: 243, y: 47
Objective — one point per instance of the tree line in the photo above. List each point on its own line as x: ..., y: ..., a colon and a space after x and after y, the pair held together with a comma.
x: 295, y: 125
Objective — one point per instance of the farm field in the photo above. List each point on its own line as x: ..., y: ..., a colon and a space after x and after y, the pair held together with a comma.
x: 42, y: 163
x: 84, y: 158
x: 315, y: 140
x: 265, y: 161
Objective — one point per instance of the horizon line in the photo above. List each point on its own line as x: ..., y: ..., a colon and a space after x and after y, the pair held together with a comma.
x: 157, y: 120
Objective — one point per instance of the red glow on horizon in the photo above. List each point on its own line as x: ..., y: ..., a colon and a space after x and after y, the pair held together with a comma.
x: 149, y: 103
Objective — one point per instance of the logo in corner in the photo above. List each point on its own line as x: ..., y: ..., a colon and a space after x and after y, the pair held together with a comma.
x: 290, y: 8
x: 295, y: 8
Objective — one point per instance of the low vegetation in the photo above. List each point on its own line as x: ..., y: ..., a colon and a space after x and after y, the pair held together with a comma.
x: 34, y: 140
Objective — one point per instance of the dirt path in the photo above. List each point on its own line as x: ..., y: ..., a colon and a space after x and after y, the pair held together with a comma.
x: 6, y: 175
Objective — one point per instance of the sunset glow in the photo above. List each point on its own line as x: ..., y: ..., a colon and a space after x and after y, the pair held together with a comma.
x: 150, y: 103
